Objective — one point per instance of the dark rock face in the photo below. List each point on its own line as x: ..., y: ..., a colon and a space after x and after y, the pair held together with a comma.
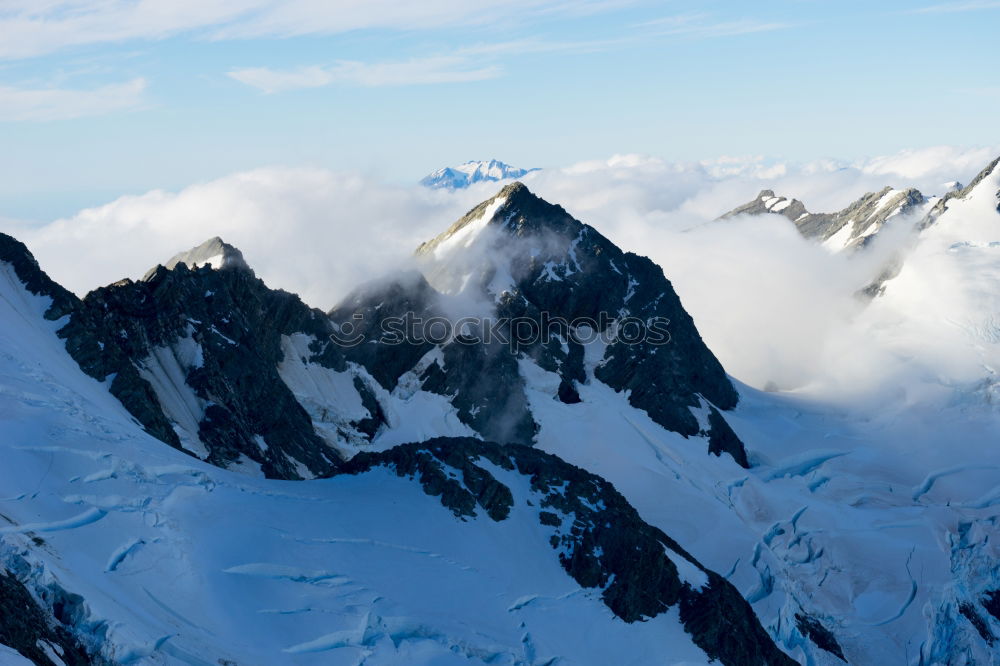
x: 970, y: 613
x: 27, y: 270
x: 665, y: 380
x: 822, y: 637
x: 25, y: 625
x: 568, y: 393
x: 237, y: 324
x: 362, y: 313
x: 488, y: 391
x: 991, y: 602
x: 477, y: 375
x: 598, y: 537
x: 552, y: 285
x: 722, y: 439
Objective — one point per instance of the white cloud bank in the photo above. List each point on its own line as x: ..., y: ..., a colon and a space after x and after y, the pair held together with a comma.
x: 774, y: 308
x: 311, y: 231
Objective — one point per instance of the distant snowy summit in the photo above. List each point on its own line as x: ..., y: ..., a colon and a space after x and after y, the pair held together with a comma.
x: 453, y: 178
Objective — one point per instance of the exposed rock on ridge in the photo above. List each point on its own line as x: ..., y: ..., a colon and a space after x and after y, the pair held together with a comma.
x: 852, y: 228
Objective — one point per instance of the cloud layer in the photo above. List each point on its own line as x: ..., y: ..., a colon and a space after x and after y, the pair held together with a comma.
x: 776, y: 309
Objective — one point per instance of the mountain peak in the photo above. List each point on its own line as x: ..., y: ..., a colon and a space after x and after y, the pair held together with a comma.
x: 514, y: 209
x: 471, y: 172
x: 768, y: 202
x: 515, y: 188
x: 516, y: 257
x: 214, y: 252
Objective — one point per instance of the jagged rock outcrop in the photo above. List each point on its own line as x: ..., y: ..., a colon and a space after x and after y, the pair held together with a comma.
x: 214, y: 252
x: 193, y: 354
x: 852, y: 228
x: 599, y: 538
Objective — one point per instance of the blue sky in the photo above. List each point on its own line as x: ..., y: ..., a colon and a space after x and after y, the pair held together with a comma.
x: 109, y: 97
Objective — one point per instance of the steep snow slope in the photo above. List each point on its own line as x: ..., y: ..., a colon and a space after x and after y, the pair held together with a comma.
x: 156, y: 557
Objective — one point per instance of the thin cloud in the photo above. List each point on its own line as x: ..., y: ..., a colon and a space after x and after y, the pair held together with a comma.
x: 461, y: 66
x: 705, y: 26
x: 444, y: 69
x: 531, y: 46
x: 31, y: 28
x: 957, y: 7
x: 42, y: 104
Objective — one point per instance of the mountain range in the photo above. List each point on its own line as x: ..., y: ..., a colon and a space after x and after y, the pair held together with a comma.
x: 201, y: 469
x: 472, y: 172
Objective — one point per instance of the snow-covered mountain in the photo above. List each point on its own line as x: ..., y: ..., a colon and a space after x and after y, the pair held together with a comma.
x: 121, y: 549
x: 472, y: 172
x: 212, y: 361
x: 640, y: 507
x: 523, y: 261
